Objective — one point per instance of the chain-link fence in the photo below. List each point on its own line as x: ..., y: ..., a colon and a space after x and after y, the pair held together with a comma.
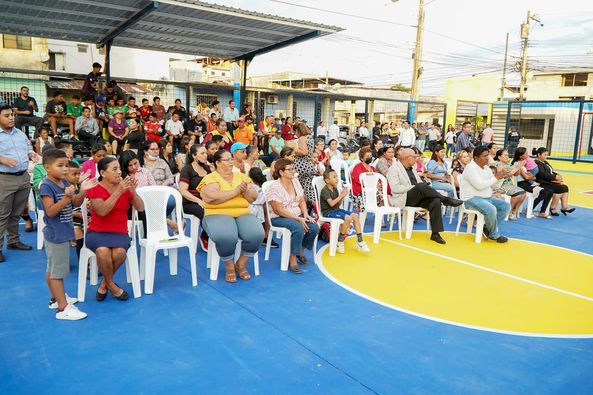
x: 563, y: 127
x: 314, y: 107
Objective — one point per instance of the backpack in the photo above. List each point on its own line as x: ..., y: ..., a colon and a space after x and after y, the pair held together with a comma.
x: 324, y: 232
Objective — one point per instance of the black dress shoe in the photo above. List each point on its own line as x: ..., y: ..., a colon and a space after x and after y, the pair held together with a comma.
x: 485, y: 232
x: 1, y: 257
x: 452, y: 202
x: 437, y: 237
x: 100, y: 297
x: 19, y: 246
x: 501, y: 239
x: 567, y: 211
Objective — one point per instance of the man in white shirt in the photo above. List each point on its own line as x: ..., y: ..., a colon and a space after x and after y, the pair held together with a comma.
x: 175, y: 130
x: 487, y: 135
x: 407, y: 136
x: 476, y: 190
x: 363, y: 130
x: 321, y: 130
x: 230, y: 116
x: 334, y: 131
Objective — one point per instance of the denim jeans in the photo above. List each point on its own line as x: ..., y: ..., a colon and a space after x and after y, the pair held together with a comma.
x: 225, y: 231
x: 494, y: 211
x: 443, y: 186
x: 299, y: 237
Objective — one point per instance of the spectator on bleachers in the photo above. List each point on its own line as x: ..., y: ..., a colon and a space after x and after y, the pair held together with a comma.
x: 215, y: 108
x: 408, y: 189
x: 437, y: 172
x: 110, y: 108
x: 118, y: 132
x: 286, y: 153
x: 182, y: 155
x: 227, y: 218
x: 159, y: 110
x: 133, y: 109
x: 56, y: 113
x: 158, y: 168
x: 276, y: 144
x: 289, y: 210
x: 166, y: 154
x: 332, y: 150
x: 144, y: 111
x: 386, y: 160
x: 242, y: 134
x: 181, y: 111
x: 211, y: 124
x: 287, y: 133
x: 506, y: 186
x: 43, y: 139
x: 248, y: 110
x: 97, y: 153
x: 202, y: 110
x: 24, y: 108
x: 137, y: 136
x: 476, y: 191
x: 552, y: 181
x: 101, y: 115
x: 221, y: 131
x: 321, y: 156
x: 191, y: 175
x: 231, y: 115
x: 464, y: 138
x: 120, y: 104
x: 107, y: 234
x: 238, y: 152
x: 91, y: 82
x: 376, y: 146
x: 253, y: 158
x: 153, y: 129
x: 87, y: 128
x: 175, y: 130
x: 196, y: 128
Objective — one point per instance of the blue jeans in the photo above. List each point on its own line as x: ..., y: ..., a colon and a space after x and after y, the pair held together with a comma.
x: 443, y: 186
x: 299, y: 237
x: 226, y: 231
x: 494, y: 211
x: 450, y: 149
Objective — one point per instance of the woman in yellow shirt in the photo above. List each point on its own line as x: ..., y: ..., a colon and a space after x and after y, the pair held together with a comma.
x: 227, y: 218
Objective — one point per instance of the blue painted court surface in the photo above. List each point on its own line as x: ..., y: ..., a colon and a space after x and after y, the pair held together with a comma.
x: 276, y: 334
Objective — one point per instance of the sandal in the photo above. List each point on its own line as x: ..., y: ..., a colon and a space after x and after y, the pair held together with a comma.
x: 230, y: 277
x: 295, y: 269
x: 544, y: 216
x: 243, y: 273
x: 303, y: 259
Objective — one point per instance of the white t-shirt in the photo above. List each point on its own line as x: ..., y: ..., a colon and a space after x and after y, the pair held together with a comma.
x: 477, y: 181
x: 407, y: 137
x: 450, y: 137
x: 174, y: 127
x: 321, y: 130
x: 363, y: 132
x: 487, y: 135
x: 334, y: 132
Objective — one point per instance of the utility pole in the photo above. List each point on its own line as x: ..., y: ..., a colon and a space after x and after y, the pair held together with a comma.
x: 418, y: 53
x: 504, y: 69
x: 525, y: 38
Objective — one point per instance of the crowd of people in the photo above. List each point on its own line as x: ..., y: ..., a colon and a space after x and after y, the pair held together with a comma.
x: 213, y: 159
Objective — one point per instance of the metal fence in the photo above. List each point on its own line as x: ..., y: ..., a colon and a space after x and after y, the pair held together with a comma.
x: 313, y: 107
x: 565, y: 128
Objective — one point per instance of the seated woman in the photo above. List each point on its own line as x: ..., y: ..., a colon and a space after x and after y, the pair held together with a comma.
x: 436, y: 171
x: 137, y: 136
x: 526, y: 181
x: 386, y: 159
x: 289, y: 210
x: 98, y: 152
x: 107, y: 234
x: 506, y: 186
x: 227, y: 218
x: 185, y: 145
x: 166, y: 154
x: 462, y: 159
x: 366, y: 158
x: 191, y: 175
x: 322, y: 157
x: 332, y: 150
x: 553, y: 181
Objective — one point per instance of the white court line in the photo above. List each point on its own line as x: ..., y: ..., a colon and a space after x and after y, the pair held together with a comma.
x: 491, y: 270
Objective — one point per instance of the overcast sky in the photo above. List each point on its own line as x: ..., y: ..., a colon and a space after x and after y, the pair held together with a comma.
x: 379, y: 53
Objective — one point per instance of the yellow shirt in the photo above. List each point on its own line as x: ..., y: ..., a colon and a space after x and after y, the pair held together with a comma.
x: 236, y: 206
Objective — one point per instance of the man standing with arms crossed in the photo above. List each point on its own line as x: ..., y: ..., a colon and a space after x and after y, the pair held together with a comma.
x: 15, y: 183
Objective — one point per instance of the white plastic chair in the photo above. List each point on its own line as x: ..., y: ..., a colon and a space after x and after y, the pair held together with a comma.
x: 369, y: 183
x: 157, y: 235
x: 194, y: 229
x: 88, y: 257
x: 213, y: 259
x: 334, y: 223
x: 471, y: 214
x: 339, y: 165
x: 409, y: 213
x: 40, y: 226
x: 267, y: 174
x: 282, y: 233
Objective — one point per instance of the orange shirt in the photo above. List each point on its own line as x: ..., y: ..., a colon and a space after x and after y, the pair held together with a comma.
x: 243, y: 135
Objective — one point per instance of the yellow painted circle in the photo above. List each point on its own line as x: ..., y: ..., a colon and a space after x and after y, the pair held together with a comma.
x: 519, y: 287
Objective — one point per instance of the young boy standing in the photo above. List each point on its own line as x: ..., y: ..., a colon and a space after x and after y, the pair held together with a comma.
x: 58, y: 198
x: 330, y: 208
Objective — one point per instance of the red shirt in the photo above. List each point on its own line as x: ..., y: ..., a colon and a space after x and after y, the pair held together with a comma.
x: 117, y: 219
x: 356, y: 172
x: 153, y: 131
x: 287, y: 133
x: 145, y: 112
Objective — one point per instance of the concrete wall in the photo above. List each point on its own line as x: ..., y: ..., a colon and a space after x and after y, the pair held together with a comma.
x: 25, y: 59
x: 483, y: 88
x: 549, y: 87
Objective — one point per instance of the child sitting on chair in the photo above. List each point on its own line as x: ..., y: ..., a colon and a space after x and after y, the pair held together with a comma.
x: 330, y: 200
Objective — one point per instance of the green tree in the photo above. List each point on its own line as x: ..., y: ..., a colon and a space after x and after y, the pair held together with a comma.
x: 401, y: 88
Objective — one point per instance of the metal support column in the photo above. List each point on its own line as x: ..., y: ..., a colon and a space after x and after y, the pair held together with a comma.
x: 366, y: 110
x: 315, y: 116
x: 107, y: 66
x: 508, y: 124
x: 188, y: 100
x: 577, y: 138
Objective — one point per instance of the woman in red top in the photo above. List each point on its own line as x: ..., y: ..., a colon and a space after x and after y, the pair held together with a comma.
x: 287, y: 132
x: 365, y: 155
x: 107, y: 235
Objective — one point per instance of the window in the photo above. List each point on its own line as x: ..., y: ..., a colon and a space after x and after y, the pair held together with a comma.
x: 207, y: 98
x: 532, y: 129
x: 9, y: 96
x: 82, y: 48
x: 579, y: 79
x: 10, y: 41
x: 56, y: 61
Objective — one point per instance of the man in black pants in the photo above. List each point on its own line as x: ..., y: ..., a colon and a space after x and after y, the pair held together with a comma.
x: 408, y: 189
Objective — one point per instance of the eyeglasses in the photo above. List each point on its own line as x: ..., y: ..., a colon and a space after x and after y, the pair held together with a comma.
x: 289, y: 169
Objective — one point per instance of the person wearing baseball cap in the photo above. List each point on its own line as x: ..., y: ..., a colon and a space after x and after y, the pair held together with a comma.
x: 238, y: 151
x: 243, y: 134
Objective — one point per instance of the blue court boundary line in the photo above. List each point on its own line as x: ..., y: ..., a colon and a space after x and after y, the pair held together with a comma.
x: 279, y: 330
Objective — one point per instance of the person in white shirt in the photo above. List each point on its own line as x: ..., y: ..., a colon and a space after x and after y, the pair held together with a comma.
x: 334, y: 131
x: 321, y: 130
x: 450, y: 140
x: 407, y: 136
x: 230, y: 116
x: 487, y: 135
x: 175, y: 130
x: 476, y: 190
x: 363, y: 130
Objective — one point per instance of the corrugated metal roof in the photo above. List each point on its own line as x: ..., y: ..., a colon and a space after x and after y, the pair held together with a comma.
x: 182, y: 26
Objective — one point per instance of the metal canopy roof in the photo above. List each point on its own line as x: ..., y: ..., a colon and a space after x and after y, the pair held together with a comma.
x: 181, y: 26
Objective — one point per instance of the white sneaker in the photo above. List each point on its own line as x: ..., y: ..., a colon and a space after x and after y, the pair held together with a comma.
x: 362, y: 246
x: 340, y: 247
x: 69, y: 300
x: 71, y: 313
